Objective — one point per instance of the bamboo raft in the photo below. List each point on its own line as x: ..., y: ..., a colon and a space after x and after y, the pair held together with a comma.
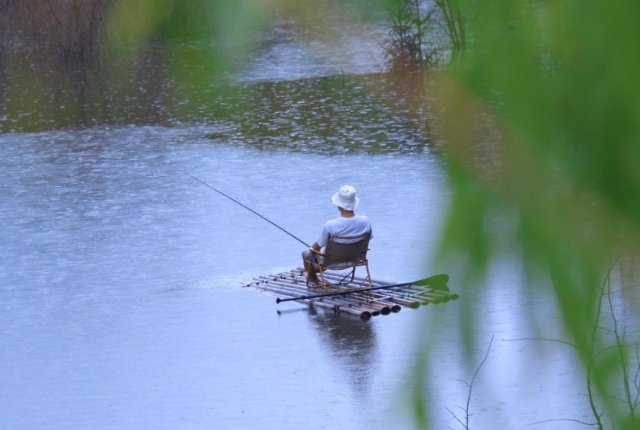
x: 380, y: 300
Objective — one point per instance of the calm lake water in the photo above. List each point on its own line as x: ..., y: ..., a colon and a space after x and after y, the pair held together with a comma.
x: 123, y: 306
x: 121, y: 301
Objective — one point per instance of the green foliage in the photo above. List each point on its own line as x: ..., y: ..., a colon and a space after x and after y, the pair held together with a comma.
x: 559, y: 80
x: 424, y: 33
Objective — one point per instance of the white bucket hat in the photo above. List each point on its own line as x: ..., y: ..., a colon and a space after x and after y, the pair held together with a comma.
x: 346, y: 198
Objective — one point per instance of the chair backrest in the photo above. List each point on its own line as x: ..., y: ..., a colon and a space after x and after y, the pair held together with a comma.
x: 337, y: 253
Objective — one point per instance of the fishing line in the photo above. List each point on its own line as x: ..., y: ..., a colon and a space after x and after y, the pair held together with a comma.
x: 249, y: 209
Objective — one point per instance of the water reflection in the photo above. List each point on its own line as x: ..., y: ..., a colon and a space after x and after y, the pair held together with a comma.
x: 335, y: 101
x: 331, y: 115
x: 294, y: 51
x: 352, y: 343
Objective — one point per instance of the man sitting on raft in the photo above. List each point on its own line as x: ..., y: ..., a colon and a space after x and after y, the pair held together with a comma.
x: 347, y: 225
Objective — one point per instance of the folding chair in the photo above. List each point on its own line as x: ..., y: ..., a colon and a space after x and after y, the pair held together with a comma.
x: 339, y: 255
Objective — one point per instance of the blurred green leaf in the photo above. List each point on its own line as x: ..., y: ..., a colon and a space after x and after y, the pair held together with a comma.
x: 557, y: 81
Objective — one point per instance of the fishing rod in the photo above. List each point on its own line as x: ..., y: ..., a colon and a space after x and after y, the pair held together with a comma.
x: 249, y: 209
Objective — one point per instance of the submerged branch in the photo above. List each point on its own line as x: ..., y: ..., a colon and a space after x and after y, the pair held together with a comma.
x: 470, y: 385
x: 562, y: 419
x: 636, y: 379
x: 473, y: 380
x: 620, y: 346
x: 592, y: 404
x: 544, y: 339
x: 456, y: 417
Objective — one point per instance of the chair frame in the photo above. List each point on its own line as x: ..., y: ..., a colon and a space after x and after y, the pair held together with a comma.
x: 342, y: 256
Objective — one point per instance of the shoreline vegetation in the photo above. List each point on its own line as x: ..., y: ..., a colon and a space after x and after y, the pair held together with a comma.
x: 533, y: 106
x: 67, y: 32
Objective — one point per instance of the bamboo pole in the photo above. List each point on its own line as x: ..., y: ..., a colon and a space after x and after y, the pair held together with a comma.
x: 293, y: 285
x: 282, y: 287
x: 389, y: 295
x: 413, y: 290
x: 367, y: 305
x: 368, y: 297
x: 398, y: 295
x: 337, y: 304
x: 337, y: 308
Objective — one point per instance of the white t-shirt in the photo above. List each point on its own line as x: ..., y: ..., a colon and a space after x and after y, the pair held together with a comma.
x: 344, y: 227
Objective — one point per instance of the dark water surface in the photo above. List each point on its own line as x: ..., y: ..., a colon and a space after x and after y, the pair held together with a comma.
x: 121, y: 300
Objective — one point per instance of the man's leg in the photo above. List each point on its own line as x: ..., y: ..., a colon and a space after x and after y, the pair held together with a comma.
x: 309, y: 266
